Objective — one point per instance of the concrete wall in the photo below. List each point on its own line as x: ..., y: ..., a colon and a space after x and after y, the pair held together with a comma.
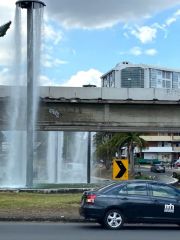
x: 100, y: 93
x: 101, y: 109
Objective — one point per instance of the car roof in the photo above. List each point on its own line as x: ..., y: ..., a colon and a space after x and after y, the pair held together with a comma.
x: 137, y: 181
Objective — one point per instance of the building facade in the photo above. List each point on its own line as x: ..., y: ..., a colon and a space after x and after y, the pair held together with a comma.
x: 163, y: 147
x: 128, y: 75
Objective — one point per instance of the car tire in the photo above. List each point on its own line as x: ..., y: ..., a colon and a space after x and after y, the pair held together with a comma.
x: 114, y: 219
x: 164, y: 171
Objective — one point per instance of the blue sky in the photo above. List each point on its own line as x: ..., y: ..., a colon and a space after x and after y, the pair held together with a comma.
x: 84, y: 39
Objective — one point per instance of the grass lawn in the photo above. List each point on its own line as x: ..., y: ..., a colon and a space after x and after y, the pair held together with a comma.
x: 38, y: 204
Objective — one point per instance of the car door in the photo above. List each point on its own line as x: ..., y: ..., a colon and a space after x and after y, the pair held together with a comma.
x: 134, y: 198
x: 165, y: 203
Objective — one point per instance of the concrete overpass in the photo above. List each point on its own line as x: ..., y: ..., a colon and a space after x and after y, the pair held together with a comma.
x: 99, y: 109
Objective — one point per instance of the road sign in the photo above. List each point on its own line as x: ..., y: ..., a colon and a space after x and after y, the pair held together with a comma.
x: 120, y: 169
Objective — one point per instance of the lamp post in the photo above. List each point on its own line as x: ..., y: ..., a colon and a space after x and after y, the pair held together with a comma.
x: 89, y: 158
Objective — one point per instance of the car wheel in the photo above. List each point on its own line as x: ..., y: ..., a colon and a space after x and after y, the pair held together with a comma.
x: 164, y: 171
x: 114, y: 219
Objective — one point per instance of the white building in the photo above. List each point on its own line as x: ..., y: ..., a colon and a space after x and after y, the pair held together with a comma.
x: 128, y: 75
x: 164, y: 148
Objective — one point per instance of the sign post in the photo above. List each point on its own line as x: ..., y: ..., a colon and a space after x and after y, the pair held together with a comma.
x: 120, y: 169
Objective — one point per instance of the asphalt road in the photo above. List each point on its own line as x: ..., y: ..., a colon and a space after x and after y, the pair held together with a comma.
x: 84, y: 231
x: 146, y: 171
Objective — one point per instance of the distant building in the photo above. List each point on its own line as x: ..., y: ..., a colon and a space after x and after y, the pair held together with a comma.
x: 128, y: 75
x: 163, y: 147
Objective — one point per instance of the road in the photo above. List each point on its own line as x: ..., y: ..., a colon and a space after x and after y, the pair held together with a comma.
x: 146, y: 171
x: 87, y: 231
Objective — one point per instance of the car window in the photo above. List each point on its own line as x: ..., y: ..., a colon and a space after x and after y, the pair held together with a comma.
x: 134, y: 189
x: 164, y: 191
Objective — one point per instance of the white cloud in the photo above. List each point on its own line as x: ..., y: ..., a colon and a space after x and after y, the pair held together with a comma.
x: 84, y: 78
x: 58, y: 62
x: 101, y: 13
x: 174, y: 18
x: 52, y: 34
x: 177, y: 13
x: 151, y: 52
x: 125, y: 34
x: 49, y: 62
x: 162, y: 27
x: 5, y: 77
x: 121, y: 53
x: 170, y: 20
x: 136, y: 51
x: 145, y: 34
x: 45, y: 81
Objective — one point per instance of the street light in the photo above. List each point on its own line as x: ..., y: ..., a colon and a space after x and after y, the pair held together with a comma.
x: 4, y: 28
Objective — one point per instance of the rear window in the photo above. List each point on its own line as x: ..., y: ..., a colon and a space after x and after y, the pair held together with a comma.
x: 108, y: 188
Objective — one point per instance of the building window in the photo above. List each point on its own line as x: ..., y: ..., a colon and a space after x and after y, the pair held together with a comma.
x: 176, y: 134
x: 176, y: 144
x: 113, y: 79
x: 159, y: 72
x: 168, y: 75
x: 162, y: 134
x: 132, y: 77
x: 163, y: 83
x: 164, y: 74
x: 168, y: 84
x: 164, y: 144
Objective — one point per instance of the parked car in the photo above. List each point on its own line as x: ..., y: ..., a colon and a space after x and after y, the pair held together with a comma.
x: 178, y: 163
x: 157, y: 168
x: 133, y: 201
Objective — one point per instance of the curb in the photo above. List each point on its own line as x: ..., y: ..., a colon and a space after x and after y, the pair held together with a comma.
x: 45, y: 219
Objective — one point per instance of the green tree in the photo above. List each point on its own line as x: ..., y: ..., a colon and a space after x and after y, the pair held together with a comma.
x: 99, y: 137
x: 103, y: 149
x: 130, y: 141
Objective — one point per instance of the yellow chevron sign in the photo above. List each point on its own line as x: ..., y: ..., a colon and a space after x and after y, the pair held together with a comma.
x: 120, y: 169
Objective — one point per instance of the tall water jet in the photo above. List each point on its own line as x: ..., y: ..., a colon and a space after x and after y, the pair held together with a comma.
x: 32, y: 8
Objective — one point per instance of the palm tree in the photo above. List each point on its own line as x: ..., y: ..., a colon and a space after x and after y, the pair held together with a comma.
x: 130, y: 140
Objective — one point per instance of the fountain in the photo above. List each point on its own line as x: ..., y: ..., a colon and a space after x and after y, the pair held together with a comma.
x: 22, y: 109
x: 34, y: 16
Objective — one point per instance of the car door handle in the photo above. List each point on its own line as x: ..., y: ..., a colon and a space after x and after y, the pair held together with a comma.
x: 124, y: 198
x: 155, y: 201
